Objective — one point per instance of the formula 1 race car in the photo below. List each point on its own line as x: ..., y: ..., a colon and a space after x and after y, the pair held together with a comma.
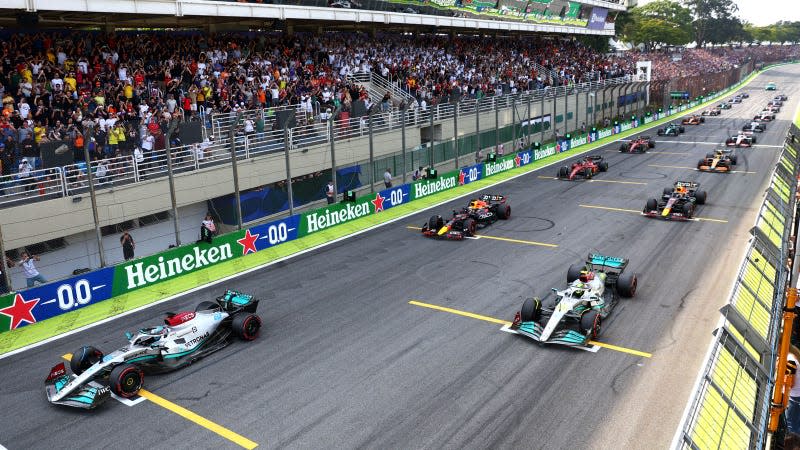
x: 774, y: 102
x: 781, y: 97
x: 573, y: 316
x: 711, y: 112
x: 586, y: 168
x: 676, y: 202
x: 183, y: 339
x: 719, y: 161
x: 735, y: 99
x: 724, y: 105
x: 743, y: 95
x: 693, y: 120
x: 482, y: 211
x: 754, y: 127
x: 771, y: 86
x: 764, y: 116
x: 638, y: 145
x: 741, y: 140
x: 771, y: 109
x: 672, y: 129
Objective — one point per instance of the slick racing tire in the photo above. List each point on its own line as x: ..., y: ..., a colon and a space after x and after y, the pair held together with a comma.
x: 531, y: 310
x: 563, y: 172
x: 470, y: 227
x: 587, y: 173
x: 682, y: 130
x: 623, y: 148
x: 651, y: 205
x: 574, y: 272
x: 660, y: 132
x: 626, y: 284
x: 701, y: 163
x: 734, y: 159
x: 590, y: 323
x: 603, y: 166
x: 700, y: 197
x: 126, y: 380
x: 688, y: 210
x: 710, y: 155
x: 435, y: 223
x: 651, y: 144
x: 702, y: 120
x: 504, y: 212
x: 667, y: 191
x: 206, y: 306
x: 246, y: 326
x: 84, y: 358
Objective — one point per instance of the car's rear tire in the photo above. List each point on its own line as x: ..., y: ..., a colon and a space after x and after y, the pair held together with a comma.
x: 574, y: 272
x: 734, y: 159
x: 246, y: 326
x: 626, y: 284
x: 682, y: 129
x: 651, y: 205
x: 651, y: 144
x: 531, y: 310
x: 700, y: 197
x: 206, y: 306
x: 563, y: 172
x: 753, y: 138
x: 660, y: 132
x: 590, y: 323
x: 503, y: 212
x: 126, y: 380
x: 603, y: 166
x: 84, y: 358
x: 702, y: 120
x: 470, y: 227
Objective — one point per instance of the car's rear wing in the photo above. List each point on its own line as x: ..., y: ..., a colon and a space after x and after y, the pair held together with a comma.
x: 595, y: 157
x: 236, y: 301
x: 492, y: 198
x: 605, y: 263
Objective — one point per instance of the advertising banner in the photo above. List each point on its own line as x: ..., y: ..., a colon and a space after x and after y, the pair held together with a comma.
x: 50, y: 300
x: 598, y: 19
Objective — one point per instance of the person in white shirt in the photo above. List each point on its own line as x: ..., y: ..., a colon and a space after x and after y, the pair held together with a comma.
x: 248, y: 126
x: 101, y: 172
x: 32, y: 275
x: 207, y: 229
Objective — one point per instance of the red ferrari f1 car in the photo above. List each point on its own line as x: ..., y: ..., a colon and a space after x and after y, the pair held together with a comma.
x: 638, y: 145
x: 586, y: 168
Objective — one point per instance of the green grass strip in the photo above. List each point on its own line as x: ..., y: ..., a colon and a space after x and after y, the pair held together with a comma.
x: 21, y: 337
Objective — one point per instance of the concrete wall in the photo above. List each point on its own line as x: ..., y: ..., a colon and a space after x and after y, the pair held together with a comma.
x: 41, y: 221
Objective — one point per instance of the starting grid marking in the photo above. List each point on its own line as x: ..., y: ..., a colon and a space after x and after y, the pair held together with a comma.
x: 595, y: 345
x: 636, y: 211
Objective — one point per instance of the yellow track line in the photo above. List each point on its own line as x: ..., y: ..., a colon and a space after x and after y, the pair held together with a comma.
x: 596, y: 181
x: 517, y: 241
x: 695, y: 168
x: 507, y: 323
x: 636, y: 211
x: 192, y: 417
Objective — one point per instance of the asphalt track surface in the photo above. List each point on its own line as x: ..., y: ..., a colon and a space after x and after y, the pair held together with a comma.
x: 345, y: 360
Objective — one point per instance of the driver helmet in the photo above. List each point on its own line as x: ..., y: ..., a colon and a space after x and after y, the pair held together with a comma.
x: 681, y: 189
x: 586, y: 276
x: 477, y: 204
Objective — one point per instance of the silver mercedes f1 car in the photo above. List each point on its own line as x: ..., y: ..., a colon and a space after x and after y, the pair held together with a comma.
x: 183, y: 339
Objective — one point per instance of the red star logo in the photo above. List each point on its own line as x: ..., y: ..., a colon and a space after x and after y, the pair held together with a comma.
x: 248, y: 242
x: 517, y: 160
x: 20, y: 311
x: 461, y: 176
x: 378, y: 202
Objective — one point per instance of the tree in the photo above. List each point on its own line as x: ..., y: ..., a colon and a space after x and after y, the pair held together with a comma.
x: 706, y: 13
x: 724, y: 30
x: 662, y: 22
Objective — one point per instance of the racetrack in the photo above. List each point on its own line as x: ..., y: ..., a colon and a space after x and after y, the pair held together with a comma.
x: 345, y: 361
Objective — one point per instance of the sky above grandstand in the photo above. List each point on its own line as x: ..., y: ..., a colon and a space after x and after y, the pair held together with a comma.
x: 763, y: 12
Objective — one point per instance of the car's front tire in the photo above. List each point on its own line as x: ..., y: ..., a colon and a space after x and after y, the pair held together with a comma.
x: 126, y: 380
x: 590, y: 323
x: 83, y: 358
x: 531, y: 310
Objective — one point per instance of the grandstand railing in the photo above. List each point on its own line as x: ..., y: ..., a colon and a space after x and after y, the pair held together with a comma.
x: 730, y: 408
x: 44, y: 184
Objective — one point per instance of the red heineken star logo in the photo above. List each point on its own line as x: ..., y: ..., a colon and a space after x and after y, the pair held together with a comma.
x: 378, y: 202
x: 248, y: 242
x: 461, y: 176
x: 20, y: 311
x: 517, y: 160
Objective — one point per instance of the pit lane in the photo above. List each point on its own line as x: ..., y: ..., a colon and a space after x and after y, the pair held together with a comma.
x: 345, y: 361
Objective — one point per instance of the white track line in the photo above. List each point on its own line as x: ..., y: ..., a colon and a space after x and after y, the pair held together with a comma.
x: 325, y: 244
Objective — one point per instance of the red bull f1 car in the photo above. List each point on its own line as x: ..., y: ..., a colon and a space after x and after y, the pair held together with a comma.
x: 586, y: 168
x: 638, y: 145
x: 573, y: 316
x: 677, y: 202
x: 482, y: 211
x: 182, y: 339
x: 721, y: 161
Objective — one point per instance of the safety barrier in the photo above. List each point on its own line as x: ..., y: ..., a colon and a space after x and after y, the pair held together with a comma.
x: 52, y: 299
x: 730, y: 408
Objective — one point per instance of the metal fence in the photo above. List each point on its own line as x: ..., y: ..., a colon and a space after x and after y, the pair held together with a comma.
x: 731, y: 406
